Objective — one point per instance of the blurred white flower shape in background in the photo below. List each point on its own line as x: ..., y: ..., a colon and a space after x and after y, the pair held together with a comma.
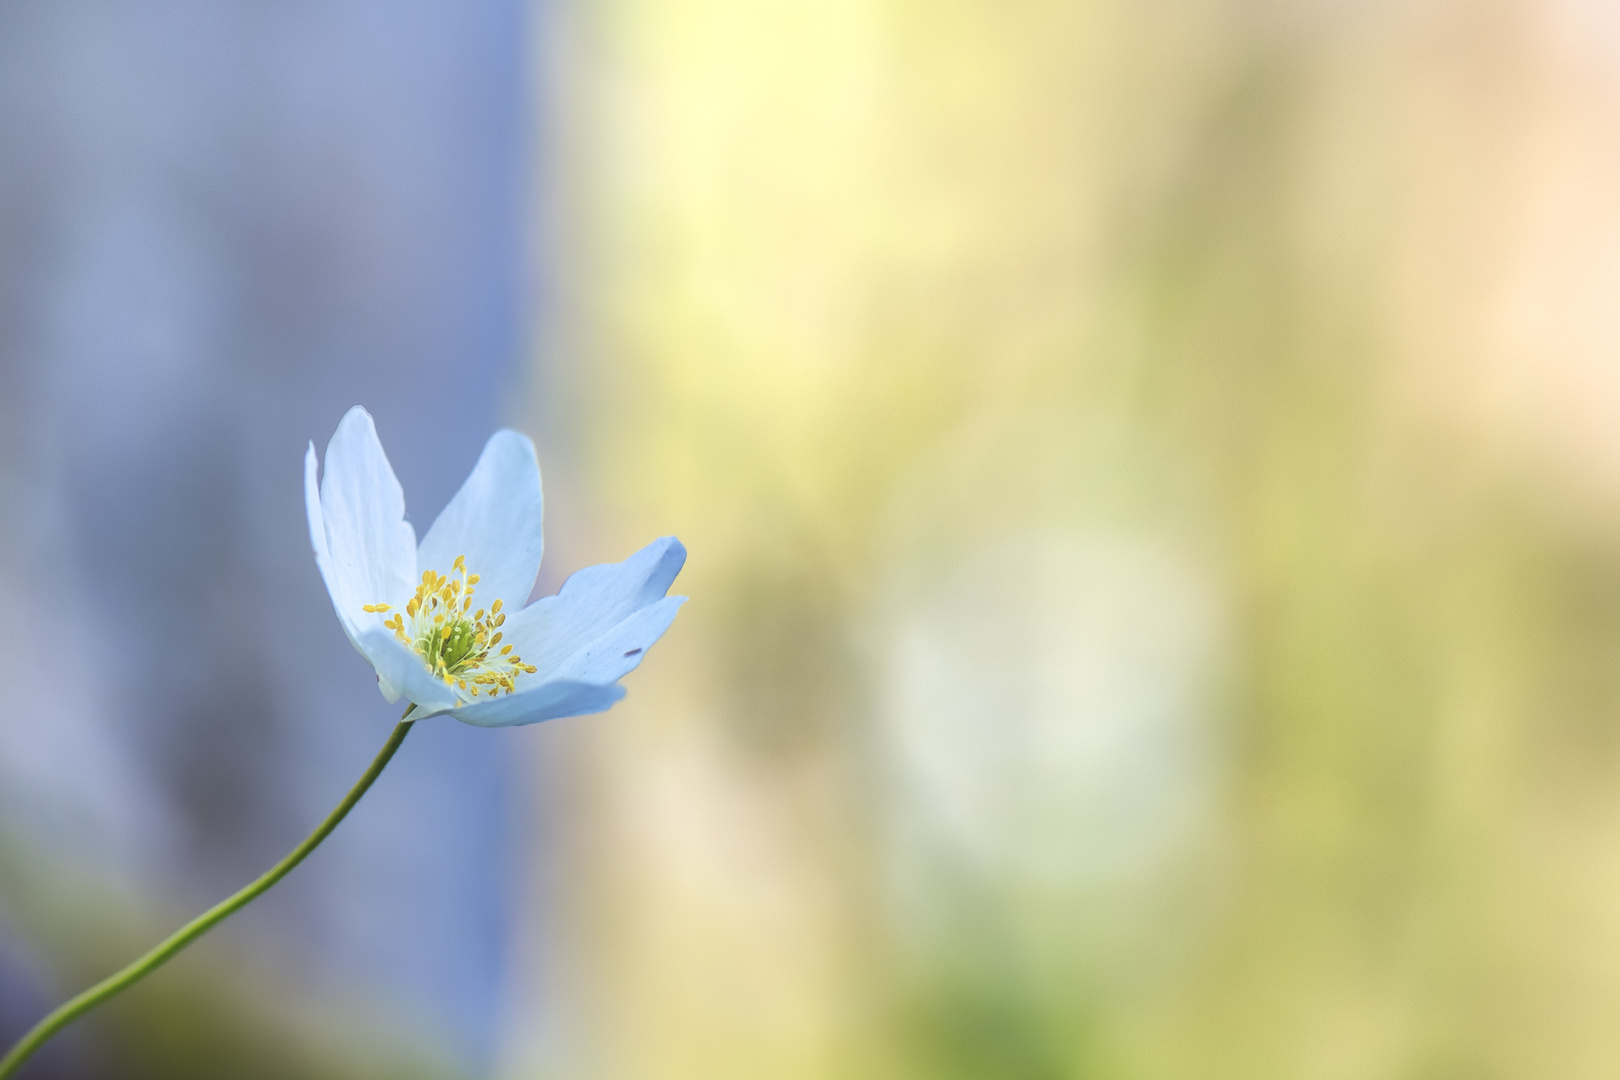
x: 444, y: 622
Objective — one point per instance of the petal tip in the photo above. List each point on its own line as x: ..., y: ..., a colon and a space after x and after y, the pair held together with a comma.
x: 672, y: 553
x: 510, y: 435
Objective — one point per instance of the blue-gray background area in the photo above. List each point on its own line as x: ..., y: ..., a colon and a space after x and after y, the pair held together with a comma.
x: 221, y: 224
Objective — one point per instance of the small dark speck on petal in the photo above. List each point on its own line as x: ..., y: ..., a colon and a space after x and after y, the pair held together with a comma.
x: 632, y: 652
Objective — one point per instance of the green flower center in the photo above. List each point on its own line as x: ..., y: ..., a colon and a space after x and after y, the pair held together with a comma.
x: 449, y: 651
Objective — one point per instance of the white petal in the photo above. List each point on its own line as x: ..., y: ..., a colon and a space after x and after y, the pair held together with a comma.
x: 317, y: 540
x: 551, y: 631
x: 371, y: 548
x: 400, y: 670
x: 545, y: 702
x: 390, y: 693
x: 495, y: 521
x: 618, y: 652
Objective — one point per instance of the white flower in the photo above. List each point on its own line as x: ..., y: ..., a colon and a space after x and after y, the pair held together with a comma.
x: 444, y: 623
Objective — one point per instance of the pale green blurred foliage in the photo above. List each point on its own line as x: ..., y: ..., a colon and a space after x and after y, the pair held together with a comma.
x: 225, y: 1012
x: 1149, y: 477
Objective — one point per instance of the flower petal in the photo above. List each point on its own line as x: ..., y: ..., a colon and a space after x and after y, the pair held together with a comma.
x: 495, y: 520
x: 562, y: 697
x: 317, y: 540
x: 390, y: 692
x: 550, y: 632
x: 400, y: 670
x: 371, y: 548
x: 615, y: 654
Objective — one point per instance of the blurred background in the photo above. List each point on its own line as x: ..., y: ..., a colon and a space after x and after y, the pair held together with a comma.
x: 1152, y: 479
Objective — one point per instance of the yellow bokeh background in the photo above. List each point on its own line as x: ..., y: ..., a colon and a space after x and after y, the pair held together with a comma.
x: 1151, y: 476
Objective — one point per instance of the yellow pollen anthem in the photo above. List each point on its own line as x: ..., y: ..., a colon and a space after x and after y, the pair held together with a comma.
x: 454, y: 641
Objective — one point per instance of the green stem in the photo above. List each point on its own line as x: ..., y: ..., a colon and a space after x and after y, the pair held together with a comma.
x: 72, y: 1009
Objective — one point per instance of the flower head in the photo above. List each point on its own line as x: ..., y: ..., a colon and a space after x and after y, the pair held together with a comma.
x: 445, y: 623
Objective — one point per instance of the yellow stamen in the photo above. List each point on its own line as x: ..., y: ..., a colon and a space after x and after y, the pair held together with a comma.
x: 454, y: 644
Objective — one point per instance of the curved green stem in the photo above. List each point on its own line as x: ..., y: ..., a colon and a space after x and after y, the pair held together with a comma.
x: 75, y: 1007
